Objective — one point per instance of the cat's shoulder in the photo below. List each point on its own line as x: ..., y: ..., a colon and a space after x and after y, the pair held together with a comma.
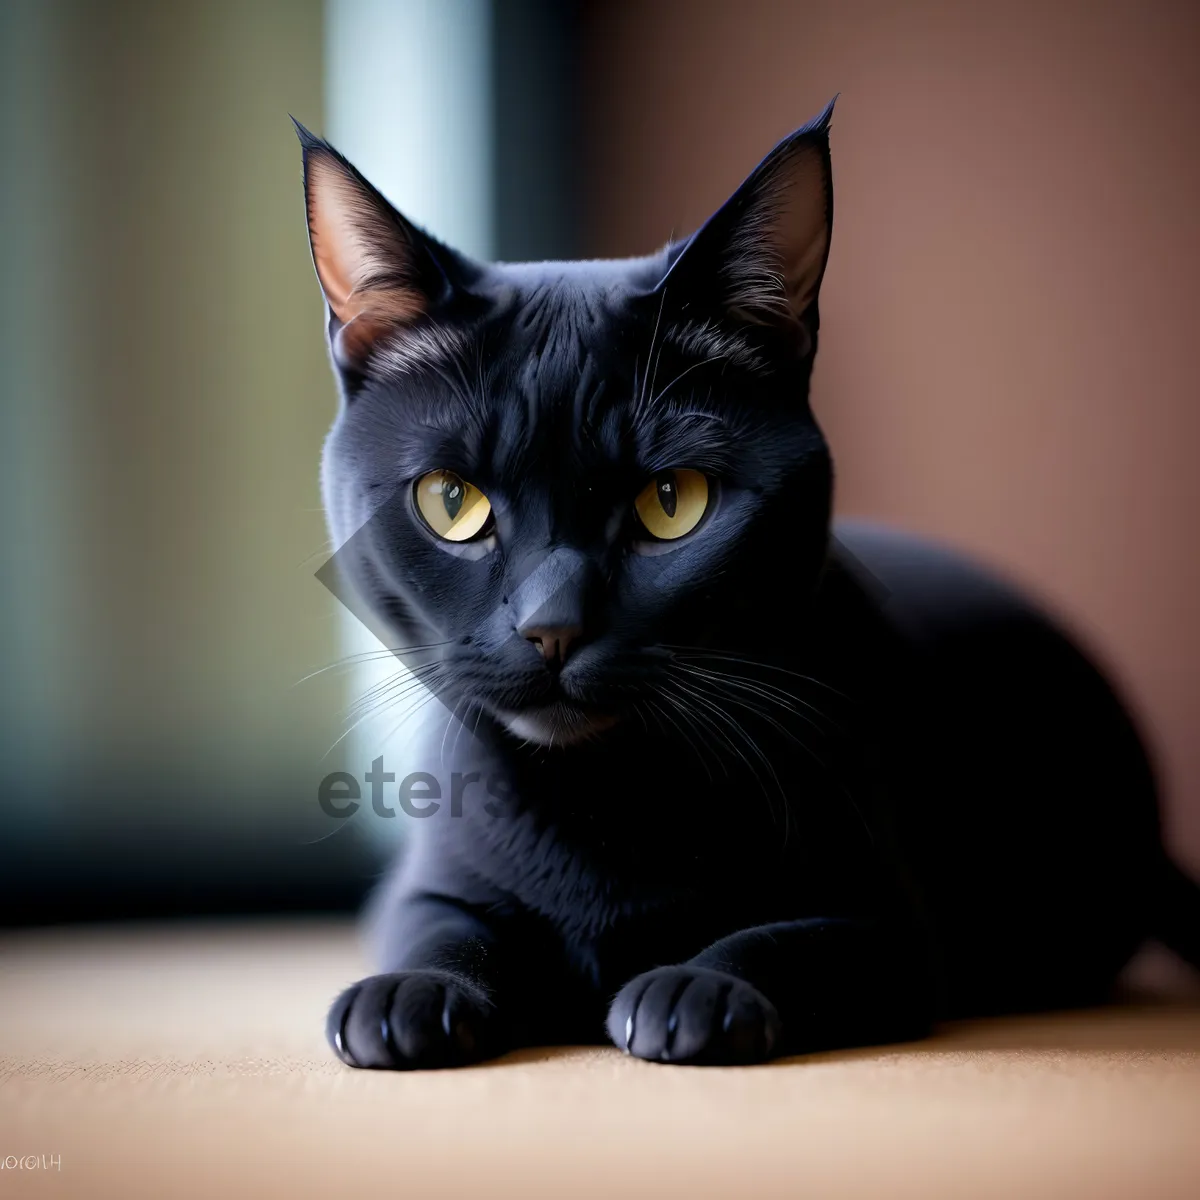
x: 923, y: 584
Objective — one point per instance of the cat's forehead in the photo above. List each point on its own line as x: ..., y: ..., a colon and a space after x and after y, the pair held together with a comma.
x: 582, y: 278
x: 563, y: 335
x: 544, y: 335
x: 612, y: 310
x: 561, y: 312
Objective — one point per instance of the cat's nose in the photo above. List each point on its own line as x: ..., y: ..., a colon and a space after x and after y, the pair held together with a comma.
x: 550, y: 603
x: 554, y: 642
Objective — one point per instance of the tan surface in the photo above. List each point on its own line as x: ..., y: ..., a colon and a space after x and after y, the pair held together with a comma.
x: 190, y: 1062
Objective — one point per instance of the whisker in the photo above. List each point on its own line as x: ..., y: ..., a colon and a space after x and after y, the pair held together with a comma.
x: 394, y: 680
x: 704, y: 652
x: 683, y: 733
x: 411, y: 712
x: 373, y: 712
x: 368, y: 656
x: 757, y: 750
x: 327, y: 548
x: 767, y: 691
x: 650, y: 354
x: 461, y: 725
x: 685, y: 371
x: 716, y: 709
x: 829, y: 771
x: 389, y: 699
x: 446, y: 731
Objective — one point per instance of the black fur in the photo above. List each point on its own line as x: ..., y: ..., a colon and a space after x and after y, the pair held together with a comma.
x: 792, y: 788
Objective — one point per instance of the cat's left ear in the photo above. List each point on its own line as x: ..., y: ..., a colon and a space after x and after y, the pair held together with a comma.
x: 380, y: 274
x: 760, y: 259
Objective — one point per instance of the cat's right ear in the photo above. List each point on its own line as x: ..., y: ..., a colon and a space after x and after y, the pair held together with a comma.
x: 759, y: 260
x: 378, y: 271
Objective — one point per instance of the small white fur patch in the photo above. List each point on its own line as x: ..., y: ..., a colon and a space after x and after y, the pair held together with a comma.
x: 408, y: 349
x: 556, y: 725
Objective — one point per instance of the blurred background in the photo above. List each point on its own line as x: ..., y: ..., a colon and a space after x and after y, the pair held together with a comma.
x: 1009, y: 323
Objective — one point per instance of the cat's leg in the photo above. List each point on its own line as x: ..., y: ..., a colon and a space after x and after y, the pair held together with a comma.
x: 438, y: 1005
x: 784, y: 988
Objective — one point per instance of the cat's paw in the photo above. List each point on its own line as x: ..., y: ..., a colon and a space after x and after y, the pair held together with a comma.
x: 412, y: 1019
x: 691, y: 1014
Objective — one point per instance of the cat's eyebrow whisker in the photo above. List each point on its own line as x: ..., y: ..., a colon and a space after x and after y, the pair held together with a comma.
x: 686, y: 371
x: 650, y: 354
x: 472, y: 399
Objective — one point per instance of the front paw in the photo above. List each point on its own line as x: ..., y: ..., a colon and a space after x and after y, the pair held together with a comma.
x: 690, y: 1014
x: 412, y: 1019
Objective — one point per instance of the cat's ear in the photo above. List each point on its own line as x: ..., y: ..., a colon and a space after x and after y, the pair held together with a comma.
x: 761, y: 257
x: 378, y: 271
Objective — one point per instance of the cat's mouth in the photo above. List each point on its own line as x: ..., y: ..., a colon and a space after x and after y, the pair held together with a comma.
x: 560, y: 723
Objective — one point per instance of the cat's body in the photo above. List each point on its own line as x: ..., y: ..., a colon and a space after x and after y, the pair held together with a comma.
x: 727, y: 786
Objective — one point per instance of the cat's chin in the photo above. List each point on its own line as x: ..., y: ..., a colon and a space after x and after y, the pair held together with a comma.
x: 558, y: 724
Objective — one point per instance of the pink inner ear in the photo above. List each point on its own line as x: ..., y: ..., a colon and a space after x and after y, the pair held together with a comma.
x: 374, y: 316
x: 802, y: 232
x: 354, y: 248
x: 778, y: 252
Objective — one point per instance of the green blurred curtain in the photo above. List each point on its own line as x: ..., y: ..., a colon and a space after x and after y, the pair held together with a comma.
x: 163, y: 395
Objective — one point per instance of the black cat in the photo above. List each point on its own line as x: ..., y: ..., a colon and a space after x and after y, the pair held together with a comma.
x: 729, y: 784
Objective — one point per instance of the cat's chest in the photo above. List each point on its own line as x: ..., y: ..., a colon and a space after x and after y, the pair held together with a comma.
x: 636, y: 864
x: 617, y: 896
x: 585, y: 875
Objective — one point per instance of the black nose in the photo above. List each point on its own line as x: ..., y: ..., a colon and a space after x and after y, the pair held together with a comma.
x: 550, y: 601
x: 555, y: 643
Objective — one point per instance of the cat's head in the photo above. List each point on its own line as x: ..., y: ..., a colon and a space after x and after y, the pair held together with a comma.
x: 552, y: 474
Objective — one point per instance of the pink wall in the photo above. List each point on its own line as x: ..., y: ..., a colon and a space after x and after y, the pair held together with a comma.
x: 1010, y: 318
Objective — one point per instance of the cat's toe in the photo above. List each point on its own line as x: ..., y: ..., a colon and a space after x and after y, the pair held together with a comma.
x: 411, y: 1019
x: 688, y: 1014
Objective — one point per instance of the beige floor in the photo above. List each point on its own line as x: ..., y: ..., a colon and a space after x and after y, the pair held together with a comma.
x: 190, y: 1062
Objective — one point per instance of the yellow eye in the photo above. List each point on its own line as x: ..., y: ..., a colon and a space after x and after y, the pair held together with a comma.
x: 672, y: 503
x: 452, y: 508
